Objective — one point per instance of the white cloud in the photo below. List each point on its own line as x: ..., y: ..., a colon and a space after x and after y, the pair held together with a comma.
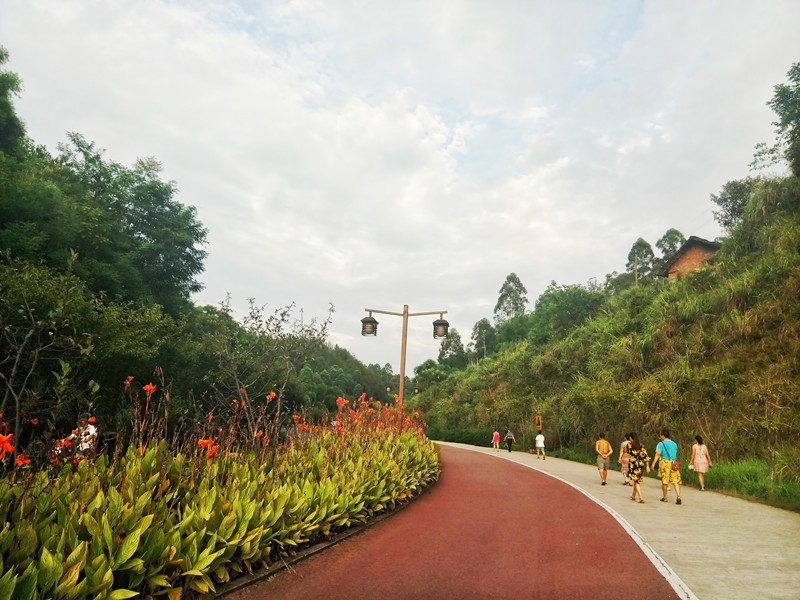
x: 378, y: 154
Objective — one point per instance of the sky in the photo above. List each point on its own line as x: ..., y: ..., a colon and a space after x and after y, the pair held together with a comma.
x: 375, y: 154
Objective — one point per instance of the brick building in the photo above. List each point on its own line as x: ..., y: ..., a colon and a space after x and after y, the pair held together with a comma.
x: 689, y: 257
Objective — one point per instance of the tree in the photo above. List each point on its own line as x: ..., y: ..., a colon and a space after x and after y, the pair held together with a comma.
x: 732, y: 201
x: 618, y: 282
x: 786, y: 104
x: 41, y: 343
x: 640, y: 260
x: 138, y: 243
x: 429, y: 374
x: 561, y: 308
x: 266, y: 353
x: 11, y: 128
x: 483, y: 340
x: 451, y: 352
x: 512, y: 300
x: 668, y: 244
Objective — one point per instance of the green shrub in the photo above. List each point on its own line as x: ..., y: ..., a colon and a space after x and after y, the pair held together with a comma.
x: 185, y: 519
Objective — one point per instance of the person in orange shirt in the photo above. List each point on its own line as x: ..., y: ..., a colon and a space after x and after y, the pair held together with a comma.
x: 604, y: 451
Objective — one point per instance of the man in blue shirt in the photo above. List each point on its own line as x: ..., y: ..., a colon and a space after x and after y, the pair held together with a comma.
x: 667, y: 453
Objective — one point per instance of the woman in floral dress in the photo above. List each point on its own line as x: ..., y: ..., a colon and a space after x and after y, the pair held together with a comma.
x: 638, y: 463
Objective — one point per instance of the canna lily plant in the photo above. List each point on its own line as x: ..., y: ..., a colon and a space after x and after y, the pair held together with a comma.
x: 178, y: 519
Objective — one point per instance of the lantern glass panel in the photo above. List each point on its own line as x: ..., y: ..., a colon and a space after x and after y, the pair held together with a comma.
x: 369, y: 326
x: 440, y: 327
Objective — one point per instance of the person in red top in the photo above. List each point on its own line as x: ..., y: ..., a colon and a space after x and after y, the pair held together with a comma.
x: 604, y: 452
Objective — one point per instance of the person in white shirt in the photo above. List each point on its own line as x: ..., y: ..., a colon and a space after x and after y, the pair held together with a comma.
x: 540, y: 446
x: 86, y: 434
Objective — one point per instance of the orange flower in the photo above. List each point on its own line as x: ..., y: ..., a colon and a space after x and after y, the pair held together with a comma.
x: 212, y: 451
x: 128, y: 382
x: 205, y: 443
x: 34, y: 421
x: 210, y: 416
x: 149, y: 388
x: 5, y: 445
x: 92, y: 420
x: 341, y: 402
x: 271, y: 396
x: 296, y: 419
x: 303, y: 427
x: 21, y: 461
x: 259, y: 433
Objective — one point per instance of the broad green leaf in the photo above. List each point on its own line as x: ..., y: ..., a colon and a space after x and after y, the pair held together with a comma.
x: 127, y: 549
x: 7, y: 584
x: 79, y: 591
x: 68, y: 581
x: 122, y: 594
x: 77, y: 556
x: 50, y: 571
x: 158, y: 581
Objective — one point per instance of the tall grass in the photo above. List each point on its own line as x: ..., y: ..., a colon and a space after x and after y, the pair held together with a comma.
x: 749, y: 479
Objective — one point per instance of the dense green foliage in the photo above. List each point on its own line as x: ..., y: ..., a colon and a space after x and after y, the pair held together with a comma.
x: 177, y: 520
x: 714, y: 353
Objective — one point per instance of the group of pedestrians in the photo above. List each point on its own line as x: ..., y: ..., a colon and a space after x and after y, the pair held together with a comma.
x: 635, y: 463
x: 510, y: 439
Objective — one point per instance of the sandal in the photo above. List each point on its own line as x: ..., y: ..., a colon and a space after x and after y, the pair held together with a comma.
x: 664, y: 500
x: 641, y: 501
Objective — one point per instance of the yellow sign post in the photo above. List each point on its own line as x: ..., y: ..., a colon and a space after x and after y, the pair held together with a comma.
x: 538, y: 422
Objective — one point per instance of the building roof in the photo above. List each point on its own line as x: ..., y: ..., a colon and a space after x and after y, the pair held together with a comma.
x: 692, y: 242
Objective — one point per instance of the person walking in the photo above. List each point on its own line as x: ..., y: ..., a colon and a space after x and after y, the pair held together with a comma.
x: 604, y: 452
x: 510, y: 439
x: 625, y: 457
x: 639, y: 461
x: 668, y: 469
x: 496, y: 440
x: 540, y: 446
x: 700, y: 461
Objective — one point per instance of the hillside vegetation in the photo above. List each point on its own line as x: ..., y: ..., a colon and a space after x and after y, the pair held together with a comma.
x: 714, y: 353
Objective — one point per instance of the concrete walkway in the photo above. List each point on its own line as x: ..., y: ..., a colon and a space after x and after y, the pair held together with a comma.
x: 720, y: 547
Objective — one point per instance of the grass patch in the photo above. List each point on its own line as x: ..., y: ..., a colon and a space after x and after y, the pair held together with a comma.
x: 749, y: 479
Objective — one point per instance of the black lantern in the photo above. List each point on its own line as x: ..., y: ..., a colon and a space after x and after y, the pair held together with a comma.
x: 369, y: 326
x: 440, y: 327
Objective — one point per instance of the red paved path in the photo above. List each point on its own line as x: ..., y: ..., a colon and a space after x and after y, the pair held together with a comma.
x: 489, y: 529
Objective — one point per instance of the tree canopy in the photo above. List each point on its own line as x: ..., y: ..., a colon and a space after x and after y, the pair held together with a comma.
x: 786, y: 104
x: 512, y: 299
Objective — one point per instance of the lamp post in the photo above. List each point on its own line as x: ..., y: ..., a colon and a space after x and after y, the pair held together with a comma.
x: 369, y: 327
